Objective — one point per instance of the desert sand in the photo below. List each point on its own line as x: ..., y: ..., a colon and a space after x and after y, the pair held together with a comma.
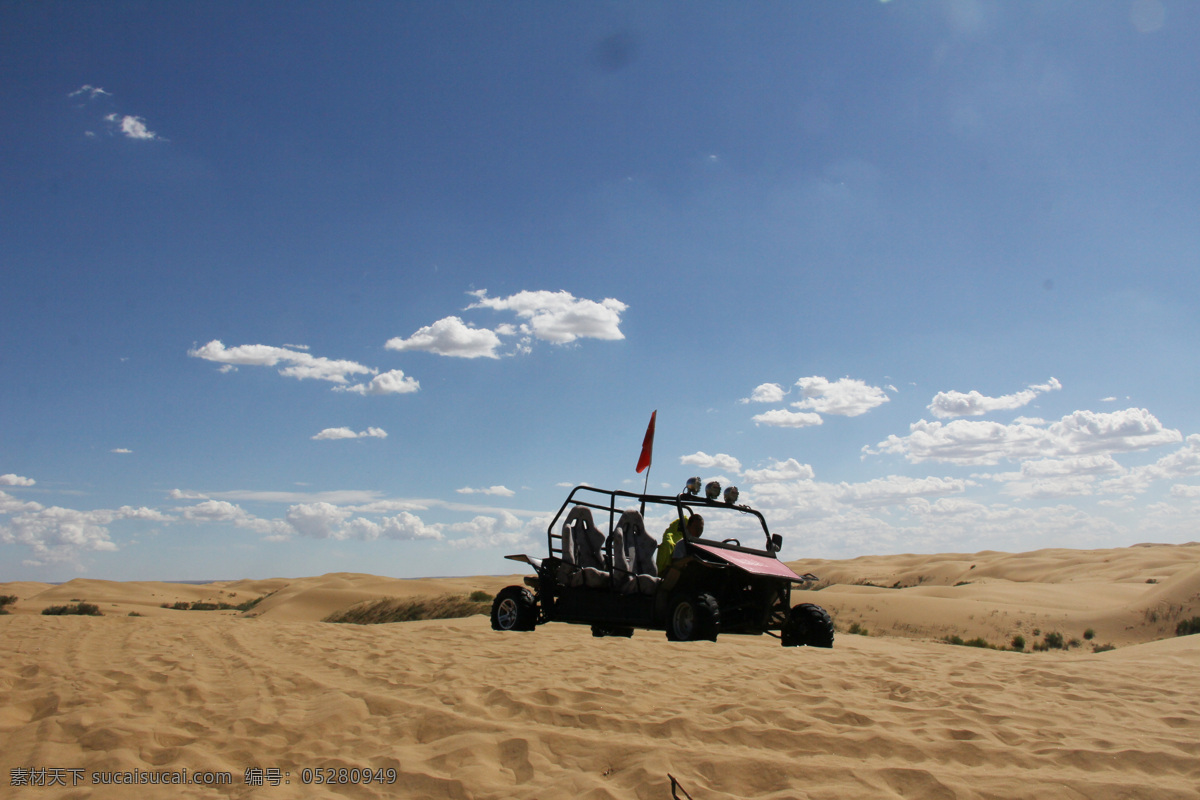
x: 457, y: 710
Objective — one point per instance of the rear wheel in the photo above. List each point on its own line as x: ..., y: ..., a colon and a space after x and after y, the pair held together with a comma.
x: 809, y: 625
x: 514, y: 609
x: 693, y: 618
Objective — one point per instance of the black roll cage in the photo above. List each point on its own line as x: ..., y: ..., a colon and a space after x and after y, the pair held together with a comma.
x: 680, y: 502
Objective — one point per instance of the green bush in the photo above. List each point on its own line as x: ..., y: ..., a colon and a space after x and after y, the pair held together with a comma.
x: 80, y: 609
x: 7, y: 599
x: 480, y: 596
x: 1186, y: 627
x: 1089, y: 634
x: 1018, y: 642
x: 857, y: 629
x: 1103, y: 648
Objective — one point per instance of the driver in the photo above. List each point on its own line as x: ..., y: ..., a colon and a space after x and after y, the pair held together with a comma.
x: 671, y: 537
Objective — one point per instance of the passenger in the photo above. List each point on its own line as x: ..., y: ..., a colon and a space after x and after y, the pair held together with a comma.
x: 671, y: 537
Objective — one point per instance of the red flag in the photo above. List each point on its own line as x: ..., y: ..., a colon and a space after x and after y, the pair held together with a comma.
x: 647, y: 445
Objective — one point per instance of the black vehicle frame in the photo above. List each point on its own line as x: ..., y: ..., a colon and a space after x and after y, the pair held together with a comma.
x: 713, y: 586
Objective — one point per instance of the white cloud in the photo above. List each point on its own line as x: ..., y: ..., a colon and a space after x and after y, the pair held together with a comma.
x: 790, y: 470
x: 765, y: 393
x: 559, y: 317
x: 11, y: 505
x: 180, y: 494
x: 121, y: 450
x: 327, y: 521
x: 402, y: 527
x: 347, y: 433
x: 505, y: 530
x: 1184, y: 462
x: 57, y: 535
x: 847, y: 397
x: 789, y: 486
x: 16, y: 480
x: 896, y: 489
x: 92, y: 92
x: 336, y: 496
x: 720, y: 461
x: 318, y: 520
x: 390, y: 382
x: 132, y: 127
x: 221, y: 511
x: 498, y: 491
x: 300, y: 365
x: 980, y: 442
x: 782, y: 418
x: 450, y: 336
x: 974, y: 404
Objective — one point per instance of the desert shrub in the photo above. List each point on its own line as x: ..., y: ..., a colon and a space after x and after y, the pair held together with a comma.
x: 1073, y: 643
x: 812, y: 586
x: 80, y: 609
x: 1103, y: 648
x: 7, y: 599
x: 133, y: 614
x: 1187, y: 627
x: 978, y: 641
x: 390, y: 609
x: 1054, y: 641
x: 1089, y: 634
x: 955, y: 639
x: 200, y: 606
x: 1151, y: 580
x: 1037, y: 631
x: 857, y: 629
x: 480, y: 596
x: 1018, y: 642
x: 249, y: 604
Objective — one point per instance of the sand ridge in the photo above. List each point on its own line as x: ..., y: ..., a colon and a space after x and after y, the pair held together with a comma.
x: 461, y: 711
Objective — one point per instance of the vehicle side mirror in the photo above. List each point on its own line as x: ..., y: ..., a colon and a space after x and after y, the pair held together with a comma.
x: 776, y: 543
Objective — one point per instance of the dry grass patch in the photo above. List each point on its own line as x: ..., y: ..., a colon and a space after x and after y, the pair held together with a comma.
x: 391, y: 609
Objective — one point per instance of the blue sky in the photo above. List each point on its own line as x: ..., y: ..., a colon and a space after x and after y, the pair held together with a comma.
x: 294, y: 288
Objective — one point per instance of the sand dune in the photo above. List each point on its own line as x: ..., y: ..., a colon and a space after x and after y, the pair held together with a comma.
x: 460, y: 711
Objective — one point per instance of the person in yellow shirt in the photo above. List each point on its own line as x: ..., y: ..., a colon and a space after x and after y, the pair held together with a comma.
x: 671, y: 537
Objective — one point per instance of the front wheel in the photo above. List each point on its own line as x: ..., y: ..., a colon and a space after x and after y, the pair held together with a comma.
x: 808, y: 624
x: 514, y: 609
x: 693, y: 618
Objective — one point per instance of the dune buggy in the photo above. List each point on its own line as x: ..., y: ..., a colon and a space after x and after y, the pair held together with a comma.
x: 608, y: 578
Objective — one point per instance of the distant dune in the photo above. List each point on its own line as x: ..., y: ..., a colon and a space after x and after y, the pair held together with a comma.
x: 456, y: 710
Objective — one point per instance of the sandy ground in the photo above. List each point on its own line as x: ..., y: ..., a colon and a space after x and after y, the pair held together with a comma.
x: 460, y: 711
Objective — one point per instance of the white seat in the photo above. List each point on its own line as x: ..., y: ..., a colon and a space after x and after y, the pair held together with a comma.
x: 583, y: 551
x: 633, y: 551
